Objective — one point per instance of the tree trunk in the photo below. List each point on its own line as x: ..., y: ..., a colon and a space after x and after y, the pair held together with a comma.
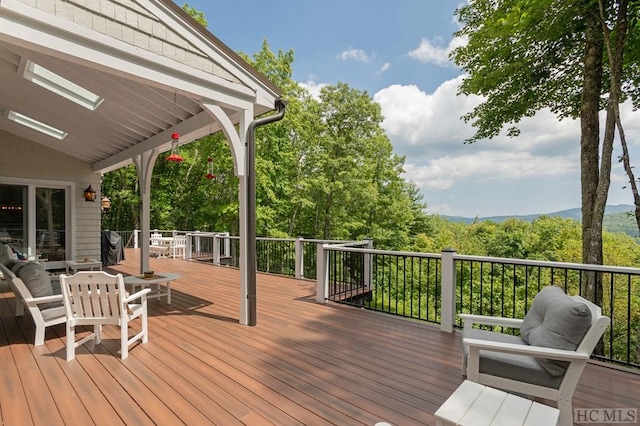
x: 592, y: 206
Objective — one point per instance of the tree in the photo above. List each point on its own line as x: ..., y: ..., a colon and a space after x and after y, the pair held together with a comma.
x: 527, y: 55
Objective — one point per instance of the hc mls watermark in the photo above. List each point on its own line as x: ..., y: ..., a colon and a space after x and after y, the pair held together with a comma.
x: 605, y: 415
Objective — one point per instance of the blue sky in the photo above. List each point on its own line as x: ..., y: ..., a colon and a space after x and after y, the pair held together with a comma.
x: 397, y: 52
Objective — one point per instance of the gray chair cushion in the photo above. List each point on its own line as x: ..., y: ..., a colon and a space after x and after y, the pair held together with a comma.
x: 35, y: 278
x: 515, y: 367
x: 555, y: 321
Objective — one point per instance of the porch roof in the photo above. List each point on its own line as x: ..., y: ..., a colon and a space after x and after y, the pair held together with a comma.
x: 152, y: 64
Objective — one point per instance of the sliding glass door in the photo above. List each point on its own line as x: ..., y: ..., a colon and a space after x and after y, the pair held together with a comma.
x: 50, y: 223
x: 13, y: 216
x: 34, y: 219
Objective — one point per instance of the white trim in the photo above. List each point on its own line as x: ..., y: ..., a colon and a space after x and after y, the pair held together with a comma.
x: 217, y: 55
x: 235, y: 140
x: 43, y: 32
x: 70, y: 206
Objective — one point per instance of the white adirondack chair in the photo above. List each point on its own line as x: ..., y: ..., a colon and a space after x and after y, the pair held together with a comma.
x: 508, y: 362
x: 97, y: 298
x: 43, y: 314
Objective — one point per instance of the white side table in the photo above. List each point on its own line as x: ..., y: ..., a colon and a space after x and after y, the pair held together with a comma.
x: 473, y: 404
x: 138, y: 282
x: 90, y: 264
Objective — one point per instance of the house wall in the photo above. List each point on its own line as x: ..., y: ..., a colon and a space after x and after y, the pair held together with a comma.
x: 24, y: 159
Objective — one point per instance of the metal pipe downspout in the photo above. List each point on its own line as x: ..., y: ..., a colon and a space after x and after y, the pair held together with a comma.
x: 250, y: 238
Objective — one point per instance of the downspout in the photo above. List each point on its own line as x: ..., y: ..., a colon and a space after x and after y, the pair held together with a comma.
x: 251, y: 206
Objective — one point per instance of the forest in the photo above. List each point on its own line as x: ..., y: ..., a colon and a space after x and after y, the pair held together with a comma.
x: 328, y: 171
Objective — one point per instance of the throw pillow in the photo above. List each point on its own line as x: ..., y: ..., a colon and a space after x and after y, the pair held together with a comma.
x: 557, y: 321
x: 6, y: 254
x: 35, y: 278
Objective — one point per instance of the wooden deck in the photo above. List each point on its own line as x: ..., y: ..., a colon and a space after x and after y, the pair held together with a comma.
x: 304, y: 363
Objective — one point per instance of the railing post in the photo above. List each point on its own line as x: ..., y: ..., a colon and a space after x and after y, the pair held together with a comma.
x: 136, y: 233
x: 227, y: 244
x: 196, y: 239
x: 368, y: 264
x: 322, y: 274
x: 448, y: 289
x: 299, y: 258
x: 216, y: 250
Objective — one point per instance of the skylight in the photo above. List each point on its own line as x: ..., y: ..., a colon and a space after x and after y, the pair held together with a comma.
x: 61, y: 86
x: 36, y: 125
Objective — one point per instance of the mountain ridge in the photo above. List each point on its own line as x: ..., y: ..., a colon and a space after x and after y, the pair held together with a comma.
x: 617, y: 218
x: 575, y: 213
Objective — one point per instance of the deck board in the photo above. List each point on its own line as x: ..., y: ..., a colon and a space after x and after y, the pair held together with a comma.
x: 304, y: 363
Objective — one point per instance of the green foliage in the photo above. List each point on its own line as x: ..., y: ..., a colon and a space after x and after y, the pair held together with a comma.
x: 327, y: 170
x: 196, y: 14
x: 521, y: 56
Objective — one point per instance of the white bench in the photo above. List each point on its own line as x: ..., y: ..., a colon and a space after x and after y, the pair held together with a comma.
x: 42, y: 317
x: 473, y: 404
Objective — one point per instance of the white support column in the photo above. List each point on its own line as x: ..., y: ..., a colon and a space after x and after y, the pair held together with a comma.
x: 448, y: 291
x: 237, y: 143
x: 144, y: 165
x: 244, y: 264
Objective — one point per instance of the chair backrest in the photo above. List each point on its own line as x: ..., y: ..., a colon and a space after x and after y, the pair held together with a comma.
x: 93, y: 295
x: 599, y: 324
x: 155, y: 238
x: 6, y: 272
x: 180, y: 240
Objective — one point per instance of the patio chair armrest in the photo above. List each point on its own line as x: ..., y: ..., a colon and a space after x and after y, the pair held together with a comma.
x: 469, y: 320
x: 142, y: 294
x: 33, y: 301
x: 534, y: 351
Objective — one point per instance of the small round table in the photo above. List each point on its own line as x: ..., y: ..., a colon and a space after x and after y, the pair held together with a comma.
x: 138, y: 282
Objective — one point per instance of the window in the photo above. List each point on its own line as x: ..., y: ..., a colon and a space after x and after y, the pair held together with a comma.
x: 36, y: 125
x: 57, y: 84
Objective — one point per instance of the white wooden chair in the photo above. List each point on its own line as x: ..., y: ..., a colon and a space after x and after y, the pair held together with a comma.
x: 157, y: 247
x: 557, y: 338
x: 179, y: 245
x: 46, y: 311
x: 97, y: 298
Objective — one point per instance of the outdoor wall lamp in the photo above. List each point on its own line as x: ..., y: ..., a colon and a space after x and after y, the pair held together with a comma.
x: 89, y: 194
x: 105, y: 204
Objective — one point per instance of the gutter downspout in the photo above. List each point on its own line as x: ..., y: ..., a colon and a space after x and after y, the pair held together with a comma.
x: 250, y: 238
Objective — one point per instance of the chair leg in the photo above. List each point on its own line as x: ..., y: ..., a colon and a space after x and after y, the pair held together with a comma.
x: 39, y: 341
x: 566, y: 412
x: 145, y: 326
x: 97, y: 330
x: 71, y: 342
x: 124, y: 340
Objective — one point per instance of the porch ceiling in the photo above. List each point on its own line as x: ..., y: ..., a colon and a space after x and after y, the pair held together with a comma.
x: 143, y: 99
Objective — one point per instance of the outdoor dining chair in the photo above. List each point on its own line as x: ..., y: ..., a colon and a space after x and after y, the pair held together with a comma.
x: 96, y: 298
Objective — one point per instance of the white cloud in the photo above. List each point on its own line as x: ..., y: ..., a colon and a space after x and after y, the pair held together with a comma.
x: 432, y: 52
x: 384, y: 67
x: 424, y: 126
x: 313, y: 88
x: 486, y: 166
x: 356, y: 55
